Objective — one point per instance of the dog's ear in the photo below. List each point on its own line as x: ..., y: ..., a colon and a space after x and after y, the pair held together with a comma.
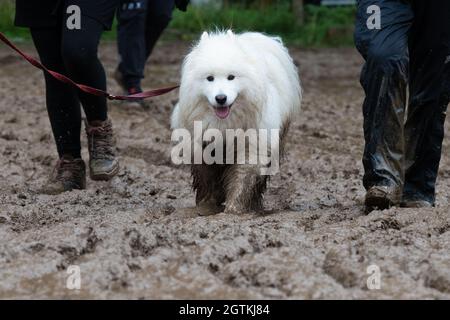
x: 204, y: 36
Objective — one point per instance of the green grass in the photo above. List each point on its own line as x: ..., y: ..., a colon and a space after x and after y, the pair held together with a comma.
x: 7, y: 21
x: 323, y: 26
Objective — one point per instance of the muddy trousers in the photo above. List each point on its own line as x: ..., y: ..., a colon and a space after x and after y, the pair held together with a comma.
x: 141, y: 23
x: 409, y: 50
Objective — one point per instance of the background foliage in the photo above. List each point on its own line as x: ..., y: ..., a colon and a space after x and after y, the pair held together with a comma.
x: 310, y: 26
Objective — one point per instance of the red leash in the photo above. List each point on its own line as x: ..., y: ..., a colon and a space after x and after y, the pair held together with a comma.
x: 82, y: 87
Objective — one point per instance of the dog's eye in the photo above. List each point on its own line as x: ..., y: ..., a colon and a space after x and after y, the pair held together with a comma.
x: 210, y: 78
x: 231, y: 77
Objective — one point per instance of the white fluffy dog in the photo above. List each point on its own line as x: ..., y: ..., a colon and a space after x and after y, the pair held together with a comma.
x: 236, y: 81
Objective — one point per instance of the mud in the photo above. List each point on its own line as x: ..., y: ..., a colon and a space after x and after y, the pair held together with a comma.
x: 139, y: 236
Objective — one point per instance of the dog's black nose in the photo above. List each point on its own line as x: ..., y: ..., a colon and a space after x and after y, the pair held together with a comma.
x: 221, y: 99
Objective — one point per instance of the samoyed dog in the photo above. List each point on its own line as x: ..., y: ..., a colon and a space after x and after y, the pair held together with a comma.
x: 237, y: 82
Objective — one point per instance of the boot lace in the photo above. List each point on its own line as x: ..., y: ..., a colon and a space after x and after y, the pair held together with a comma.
x: 101, y: 142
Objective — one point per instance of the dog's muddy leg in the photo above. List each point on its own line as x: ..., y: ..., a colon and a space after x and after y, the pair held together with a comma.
x: 207, y: 185
x: 244, y: 186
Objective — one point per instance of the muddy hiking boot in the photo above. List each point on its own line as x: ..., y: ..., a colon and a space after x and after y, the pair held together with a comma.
x: 382, y: 197
x: 69, y: 174
x: 103, y: 163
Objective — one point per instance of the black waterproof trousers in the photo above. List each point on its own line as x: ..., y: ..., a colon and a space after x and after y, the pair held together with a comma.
x: 141, y: 23
x: 411, y: 49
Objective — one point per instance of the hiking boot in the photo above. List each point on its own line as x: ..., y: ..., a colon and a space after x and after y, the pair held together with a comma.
x: 382, y: 197
x: 129, y: 90
x: 103, y: 163
x: 136, y: 103
x: 69, y: 174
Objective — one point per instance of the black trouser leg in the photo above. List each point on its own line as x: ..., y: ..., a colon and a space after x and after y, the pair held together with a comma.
x: 62, y: 100
x: 141, y: 23
x: 131, y: 18
x: 159, y: 15
x: 429, y: 87
x: 384, y: 79
x: 79, y: 53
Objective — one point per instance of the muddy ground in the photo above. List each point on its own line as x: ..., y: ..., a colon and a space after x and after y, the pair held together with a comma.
x: 138, y: 236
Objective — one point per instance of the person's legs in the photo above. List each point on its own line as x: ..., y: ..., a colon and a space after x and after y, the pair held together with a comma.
x: 63, y: 106
x: 141, y: 23
x: 79, y: 52
x: 429, y: 92
x: 159, y: 15
x: 384, y: 79
x: 131, y: 18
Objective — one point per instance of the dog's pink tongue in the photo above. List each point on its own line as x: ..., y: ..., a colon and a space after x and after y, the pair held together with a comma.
x: 222, y: 112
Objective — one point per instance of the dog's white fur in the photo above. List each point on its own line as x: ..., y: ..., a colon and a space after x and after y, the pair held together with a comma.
x: 265, y: 92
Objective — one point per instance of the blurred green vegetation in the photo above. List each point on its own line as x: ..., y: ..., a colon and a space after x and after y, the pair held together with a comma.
x: 322, y: 26
x: 7, y: 19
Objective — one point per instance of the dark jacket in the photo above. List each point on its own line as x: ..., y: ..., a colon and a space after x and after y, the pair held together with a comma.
x: 36, y: 13
x: 48, y: 13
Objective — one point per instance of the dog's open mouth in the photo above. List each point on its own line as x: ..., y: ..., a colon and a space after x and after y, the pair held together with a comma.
x: 223, y: 112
